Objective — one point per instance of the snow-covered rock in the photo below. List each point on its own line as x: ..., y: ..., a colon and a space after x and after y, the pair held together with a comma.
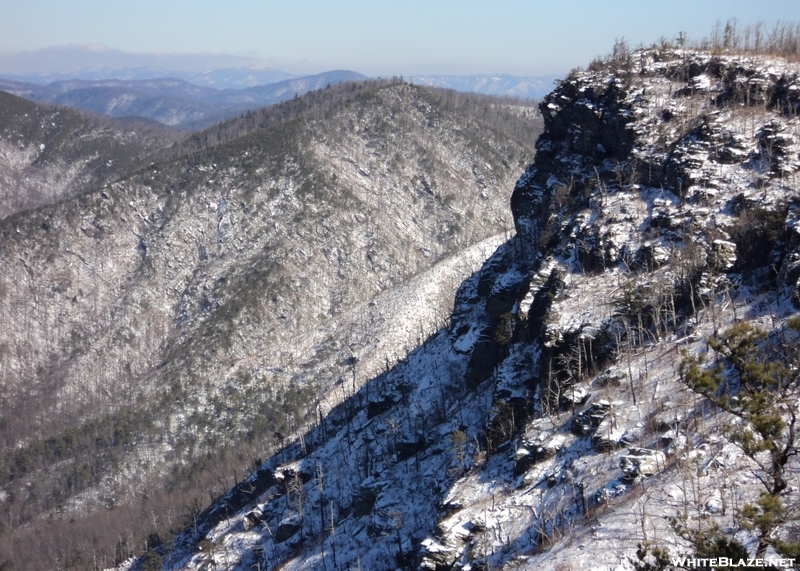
x: 564, y: 350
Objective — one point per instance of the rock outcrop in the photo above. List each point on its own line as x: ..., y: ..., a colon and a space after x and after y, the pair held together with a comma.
x: 653, y: 216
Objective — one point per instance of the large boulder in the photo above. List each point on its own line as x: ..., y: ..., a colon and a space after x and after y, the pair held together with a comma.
x: 253, y: 518
x: 587, y: 421
x: 367, y: 495
x: 722, y: 256
x: 642, y: 462
x: 438, y: 557
x: 609, y: 436
x: 286, y: 529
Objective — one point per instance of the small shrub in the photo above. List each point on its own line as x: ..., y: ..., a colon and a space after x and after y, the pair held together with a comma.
x: 505, y: 329
x: 152, y: 562
x: 755, y: 233
x: 652, y: 558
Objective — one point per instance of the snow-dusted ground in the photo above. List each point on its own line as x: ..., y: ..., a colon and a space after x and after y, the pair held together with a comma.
x: 501, y: 517
x: 408, y: 472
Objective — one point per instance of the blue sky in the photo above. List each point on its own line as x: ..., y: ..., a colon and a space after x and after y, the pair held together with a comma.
x: 377, y: 37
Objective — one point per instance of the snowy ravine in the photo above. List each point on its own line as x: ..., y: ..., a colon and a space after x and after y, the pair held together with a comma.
x: 547, y: 427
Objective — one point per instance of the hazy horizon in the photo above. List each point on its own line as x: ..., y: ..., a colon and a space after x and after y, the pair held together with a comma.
x: 66, y: 59
x: 526, y: 38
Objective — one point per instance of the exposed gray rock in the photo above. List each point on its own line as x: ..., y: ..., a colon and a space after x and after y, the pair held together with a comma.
x: 575, y: 396
x: 408, y: 448
x: 722, y: 256
x: 551, y: 447
x: 608, y: 435
x: 587, y: 421
x: 610, y: 378
x: 286, y: 529
x: 642, y: 462
x: 437, y: 557
x: 653, y: 255
x: 778, y: 149
x: 364, y: 501
x: 562, y: 297
x: 253, y: 518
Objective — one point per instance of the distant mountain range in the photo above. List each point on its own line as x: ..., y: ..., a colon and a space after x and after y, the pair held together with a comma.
x: 173, y: 102
x: 194, y: 91
x: 499, y: 84
x: 195, y: 102
x: 243, y: 77
x: 95, y: 62
x: 240, y: 77
x: 98, y: 62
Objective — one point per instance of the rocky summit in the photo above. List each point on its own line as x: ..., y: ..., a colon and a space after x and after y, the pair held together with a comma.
x: 617, y: 385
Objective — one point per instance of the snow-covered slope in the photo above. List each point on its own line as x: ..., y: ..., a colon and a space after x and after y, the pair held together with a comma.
x: 204, y: 308
x: 547, y: 426
x: 51, y: 153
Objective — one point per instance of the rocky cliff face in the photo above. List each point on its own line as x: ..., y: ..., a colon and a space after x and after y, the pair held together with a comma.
x: 553, y: 423
x: 215, y: 302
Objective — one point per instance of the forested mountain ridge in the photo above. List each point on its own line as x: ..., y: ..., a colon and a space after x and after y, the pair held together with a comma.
x: 49, y: 153
x: 204, y: 309
x: 617, y: 385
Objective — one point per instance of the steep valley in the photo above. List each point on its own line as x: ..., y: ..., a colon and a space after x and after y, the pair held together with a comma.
x: 167, y: 326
